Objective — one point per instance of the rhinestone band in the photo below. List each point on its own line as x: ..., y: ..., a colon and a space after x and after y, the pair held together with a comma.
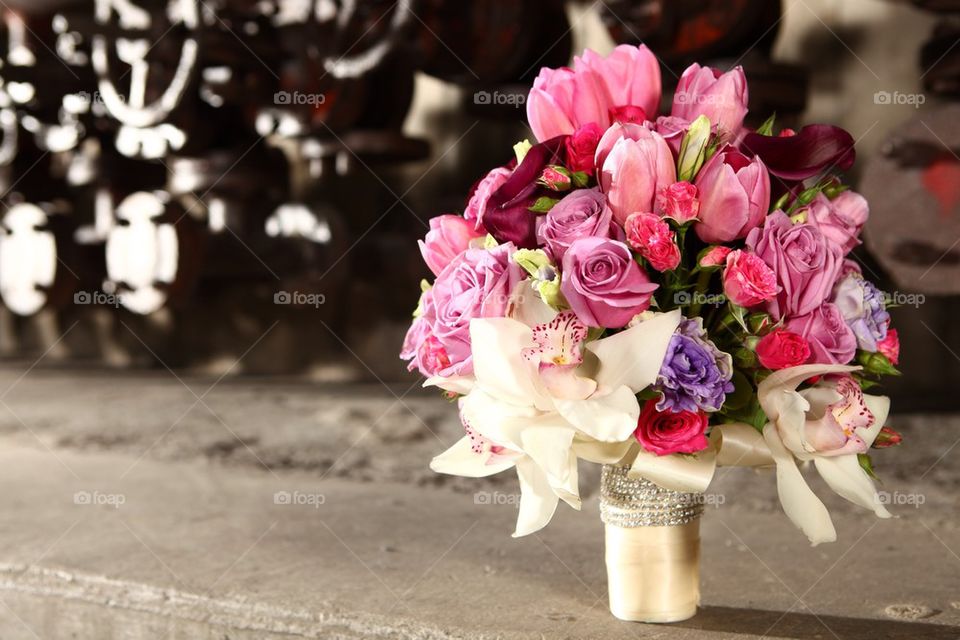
x: 627, y: 502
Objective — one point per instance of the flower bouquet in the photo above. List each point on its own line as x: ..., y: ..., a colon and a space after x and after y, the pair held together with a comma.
x: 660, y: 295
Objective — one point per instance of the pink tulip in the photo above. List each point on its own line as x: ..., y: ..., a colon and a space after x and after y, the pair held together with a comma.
x: 722, y: 97
x: 633, y: 165
x: 564, y: 100
x: 734, y: 196
x: 448, y: 237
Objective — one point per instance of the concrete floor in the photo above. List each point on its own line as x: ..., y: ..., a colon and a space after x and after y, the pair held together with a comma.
x: 146, y: 506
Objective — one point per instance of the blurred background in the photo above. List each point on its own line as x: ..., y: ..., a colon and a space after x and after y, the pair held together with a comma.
x: 237, y: 186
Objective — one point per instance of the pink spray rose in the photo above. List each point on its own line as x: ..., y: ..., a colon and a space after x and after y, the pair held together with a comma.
x: 634, y: 163
x: 448, y: 237
x: 831, y: 340
x: 477, y: 284
x: 603, y: 283
x: 563, y: 100
x: 734, y: 196
x: 835, y: 432
x: 715, y: 256
x: 480, y: 195
x: 580, y: 214
x: 654, y: 240
x: 722, y: 97
x: 667, y: 432
x: 678, y: 201
x: 582, y: 147
x: 890, y: 347
x: 841, y: 219
x: 806, y: 264
x: 781, y: 349
x: 747, y: 280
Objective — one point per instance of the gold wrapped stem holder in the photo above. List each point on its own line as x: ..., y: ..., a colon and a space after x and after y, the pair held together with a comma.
x: 652, y: 548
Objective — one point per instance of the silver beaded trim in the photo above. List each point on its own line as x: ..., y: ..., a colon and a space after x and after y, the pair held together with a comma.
x: 627, y: 502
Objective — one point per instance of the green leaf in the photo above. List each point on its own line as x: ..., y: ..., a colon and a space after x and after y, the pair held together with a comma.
x: 580, y: 179
x: 543, y: 204
x: 743, y: 391
x: 781, y: 203
x: 739, y: 314
x: 876, y: 363
x: 766, y: 129
x: 867, y: 465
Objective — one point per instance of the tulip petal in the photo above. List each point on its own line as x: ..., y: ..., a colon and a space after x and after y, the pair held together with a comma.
x: 462, y: 460
x: 800, y: 504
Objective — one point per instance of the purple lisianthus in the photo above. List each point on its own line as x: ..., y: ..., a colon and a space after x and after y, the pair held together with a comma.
x: 695, y: 375
x: 582, y: 213
x: 863, y: 308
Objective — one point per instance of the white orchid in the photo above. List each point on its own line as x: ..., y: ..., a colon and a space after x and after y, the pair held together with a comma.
x: 828, y: 424
x: 537, y: 400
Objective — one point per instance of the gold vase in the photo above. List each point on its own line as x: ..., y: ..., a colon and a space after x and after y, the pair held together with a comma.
x: 652, y: 548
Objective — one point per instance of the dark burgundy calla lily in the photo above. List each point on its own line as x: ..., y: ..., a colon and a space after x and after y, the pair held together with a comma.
x: 815, y: 148
x: 508, y: 217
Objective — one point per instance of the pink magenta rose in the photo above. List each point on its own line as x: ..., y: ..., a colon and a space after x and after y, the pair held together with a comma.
x: 747, y: 280
x: 654, y: 240
x: 831, y: 340
x: 603, y: 284
x: 781, y: 349
x: 423, y: 351
x: 580, y: 214
x: 890, y: 347
x: 448, y: 237
x: 582, y: 147
x: 805, y: 262
x: 477, y: 284
x: 840, y: 220
x: 721, y: 97
x: 634, y: 164
x: 480, y: 196
x: 563, y: 100
x: 679, y: 202
x: 734, y: 196
x: 715, y: 256
x: 667, y: 432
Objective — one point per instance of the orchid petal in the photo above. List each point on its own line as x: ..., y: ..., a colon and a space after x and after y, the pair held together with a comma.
x: 461, y: 460
x: 455, y: 384
x: 848, y: 479
x: 634, y: 356
x: 611, y: 417
x: 879, y: 406
x: 538, y: 502
x: 800, y: 504
x: 496, y: 344
x: 498, y: 421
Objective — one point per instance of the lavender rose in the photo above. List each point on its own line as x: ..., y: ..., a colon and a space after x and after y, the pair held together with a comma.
x: 805, y: 262
x: 831, y: 340
x: 582, y: 213
x: 603, y: 283
x: 477, y: 284
x: 863, y: 308
x: 695, y: 375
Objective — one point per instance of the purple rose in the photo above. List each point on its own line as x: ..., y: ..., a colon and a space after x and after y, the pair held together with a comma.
x: 864, y: 310
x: 477, y: 284
x: 581, y: 214
x: 805, y: 262
x: 831, y: 340
x: 603, y: 283
x: 480, y: 195
x: 695, y: 375
x: 840, y: 219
